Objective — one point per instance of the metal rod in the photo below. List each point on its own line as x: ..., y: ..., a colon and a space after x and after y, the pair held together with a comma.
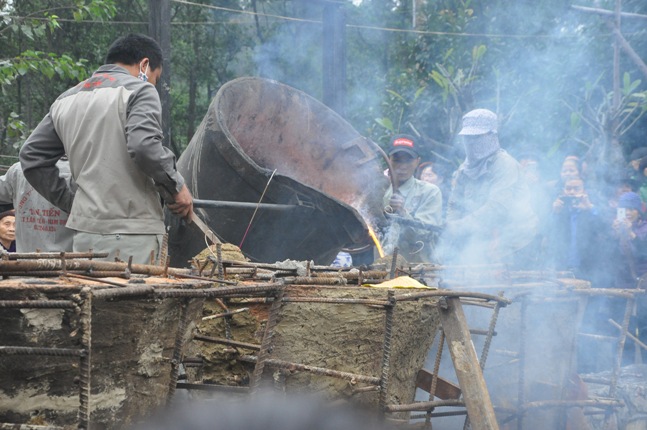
x: 67, y: 255
x: 37, y: 304
x: 225, y: 314
x: 592, y: 403
x: 386, y: 351
x: 227, y: 342
x: 12, y: 266
x: 302, y: 280
x: 211, y: 387
x: 281, y: 364
x: 176, y: 360
x: 85, y: 362
x: 340, y: 301
x: 103, y: 281
x: 151, y: 290
x: 204, y: 278
x: 266, y: 344
x: 521, y: 393
x: 11, y: 426
x: 221, y: 204
x: 52, y: 352
x: 448, y: 293
x: 423, y: 406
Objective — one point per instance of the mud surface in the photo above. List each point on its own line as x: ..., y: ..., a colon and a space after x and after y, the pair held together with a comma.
x: 342, y: 337
x: 132, y: 344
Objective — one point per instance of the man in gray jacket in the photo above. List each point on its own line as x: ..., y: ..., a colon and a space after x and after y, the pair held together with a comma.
x: 110, y: 127
x: 412, y: 200
x: 490, y: 218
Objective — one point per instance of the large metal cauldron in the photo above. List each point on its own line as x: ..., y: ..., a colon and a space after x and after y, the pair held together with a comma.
x: 329, y: 174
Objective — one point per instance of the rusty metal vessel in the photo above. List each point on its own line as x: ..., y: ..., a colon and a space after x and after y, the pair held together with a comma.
x: 264, y: 142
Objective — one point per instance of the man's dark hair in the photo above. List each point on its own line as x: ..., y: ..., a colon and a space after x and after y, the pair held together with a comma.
x: 132, y: 48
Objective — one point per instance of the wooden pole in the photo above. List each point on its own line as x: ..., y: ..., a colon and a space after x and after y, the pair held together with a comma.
x: 159, y: 28
x: 334, y: 56
x: 470, y: 377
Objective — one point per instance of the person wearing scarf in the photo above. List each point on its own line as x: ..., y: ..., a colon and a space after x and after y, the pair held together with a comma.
x: 490, y: 218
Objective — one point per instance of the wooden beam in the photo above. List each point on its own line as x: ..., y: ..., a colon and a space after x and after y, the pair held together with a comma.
x: 445, y: 390
x: 470, y: 377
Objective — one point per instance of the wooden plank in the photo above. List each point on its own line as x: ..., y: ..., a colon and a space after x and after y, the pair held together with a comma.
x: 470, y: 377
x: 445, y: 390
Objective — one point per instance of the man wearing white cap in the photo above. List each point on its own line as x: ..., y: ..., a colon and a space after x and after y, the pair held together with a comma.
x: 489, y: 217
x: 412, y: 200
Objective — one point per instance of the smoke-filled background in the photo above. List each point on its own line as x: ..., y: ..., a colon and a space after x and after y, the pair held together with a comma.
x: 543, y: 66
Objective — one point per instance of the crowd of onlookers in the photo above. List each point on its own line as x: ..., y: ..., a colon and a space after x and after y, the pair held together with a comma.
x: 595, y: 230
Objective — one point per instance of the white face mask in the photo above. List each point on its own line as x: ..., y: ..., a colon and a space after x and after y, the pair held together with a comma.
x: 142, y: 75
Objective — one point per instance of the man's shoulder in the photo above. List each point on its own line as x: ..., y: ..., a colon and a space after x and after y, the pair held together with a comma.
x: 106, y: 76
x: 502, y: 157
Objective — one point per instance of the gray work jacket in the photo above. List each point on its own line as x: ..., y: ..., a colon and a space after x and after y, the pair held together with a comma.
x: 109, y: 126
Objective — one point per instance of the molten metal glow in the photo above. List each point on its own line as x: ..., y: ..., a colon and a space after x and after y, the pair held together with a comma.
x: 377, y: 242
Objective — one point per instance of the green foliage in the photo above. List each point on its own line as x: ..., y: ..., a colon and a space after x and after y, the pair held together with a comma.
x: 35, y: 62
x: 543, y: 67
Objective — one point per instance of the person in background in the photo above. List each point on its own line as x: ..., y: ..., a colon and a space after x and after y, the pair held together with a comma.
x: 630, y: 232
x: 571, y: 168
x: 435, y: 173
x: 410, y: 200
x: 577, y: 233
x: 615, y: 189
x: 110, y: 128
x: 490, y: 218
x: 633, y: 168
x: 8, y: 230
x: 628, y: 263
x: 40, y: 226
x: 641, y: 179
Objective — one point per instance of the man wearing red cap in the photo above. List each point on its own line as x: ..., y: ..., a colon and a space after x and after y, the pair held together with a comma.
x: 490, y: 218
x: 411, y: 199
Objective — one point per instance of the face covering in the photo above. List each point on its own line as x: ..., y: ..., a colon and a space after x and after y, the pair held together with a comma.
x: 142, y: 75
x: 477, y: 151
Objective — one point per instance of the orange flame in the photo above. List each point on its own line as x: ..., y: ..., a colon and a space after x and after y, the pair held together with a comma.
x: 376, y: 240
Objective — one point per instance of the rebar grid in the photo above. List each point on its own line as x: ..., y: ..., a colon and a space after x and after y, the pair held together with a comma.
x: 266, y: 344
x: 125, y: 291
x: 386, y: 350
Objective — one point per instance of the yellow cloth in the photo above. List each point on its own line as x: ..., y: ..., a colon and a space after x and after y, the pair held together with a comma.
x: 400, y: 282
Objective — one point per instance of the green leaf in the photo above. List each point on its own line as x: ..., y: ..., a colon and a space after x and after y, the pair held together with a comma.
x: 386, y: 123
